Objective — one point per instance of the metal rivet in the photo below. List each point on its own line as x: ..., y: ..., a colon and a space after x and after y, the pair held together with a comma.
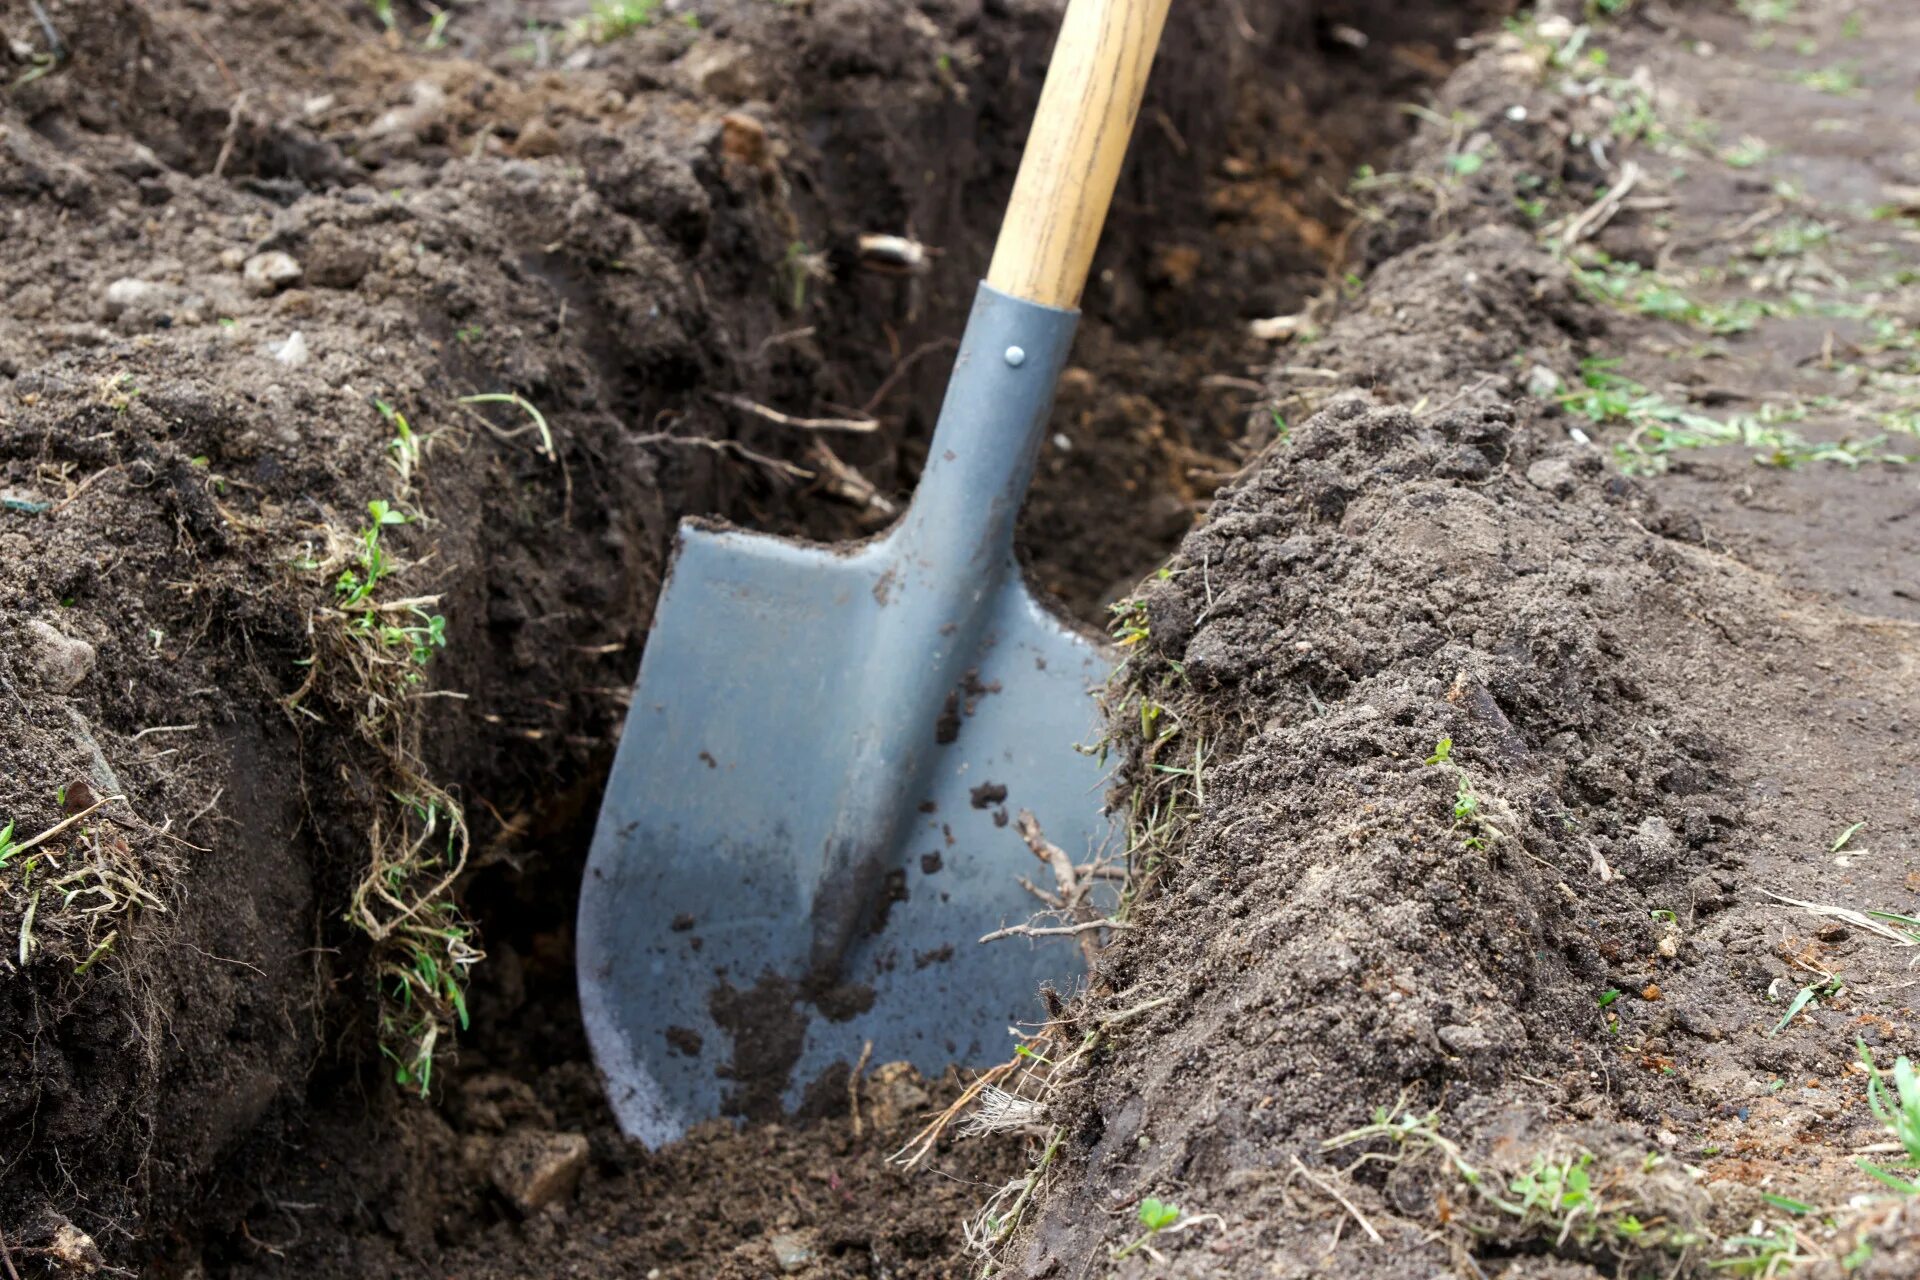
x: 1016, y: 356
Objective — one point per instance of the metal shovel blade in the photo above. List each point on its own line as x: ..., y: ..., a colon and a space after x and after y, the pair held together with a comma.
x: 807, y: 828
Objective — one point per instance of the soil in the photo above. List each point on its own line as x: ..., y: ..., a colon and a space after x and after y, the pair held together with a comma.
x: 1469, y: 733
x: 255, y: 258
x: 1552, y: 942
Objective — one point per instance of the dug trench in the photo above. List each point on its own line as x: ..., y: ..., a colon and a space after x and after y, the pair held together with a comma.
x: 314, y: 663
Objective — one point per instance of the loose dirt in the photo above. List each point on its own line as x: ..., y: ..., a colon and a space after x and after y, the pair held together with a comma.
x: 1471, y: 773
x: 256, y: 260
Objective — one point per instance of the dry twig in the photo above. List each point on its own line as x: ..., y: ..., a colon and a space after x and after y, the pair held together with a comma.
x: 853, y: 1085
x: 1345, y: 1203
x: 1596, y: 215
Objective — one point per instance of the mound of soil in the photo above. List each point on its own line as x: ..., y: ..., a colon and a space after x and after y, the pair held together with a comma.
x: 314, y: 665
x: 1469, y: 773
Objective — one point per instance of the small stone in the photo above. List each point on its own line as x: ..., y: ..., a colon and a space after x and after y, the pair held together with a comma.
x: 744, y: 139
x: 1465, y: 1039
x: 1554, y: 475
x: 269, y: 273
x: 61, y: 661
x: 426, y: 107
x: 892, y: 1094
x: 293, y: 352
x: 335, y: 258
x: 73, y: 1251
x: 1543, y: 383
x: 723, y: 69
x: 1464, y: 463
x: 533, y: 1169
x: 537, y: 138
x: 129, y: 294
x: 791, y: 1251
x: 233, y: 259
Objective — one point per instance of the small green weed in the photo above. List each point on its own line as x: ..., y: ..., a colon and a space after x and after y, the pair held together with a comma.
x: 6, y: 843
x: 1128, y: 626
x: 610, y: 20
x: 1840, y: 80
x: 1629, y: 286
x: 1156, y: 1216
x: 1791, y: 240
x: 436, y: 37
x: 371, y: 646
x: 1899, y: 1110
x: 1558, y: 1190
x: 1661, y: 427
x: 1635, y: 117
x: 1768, y: 1255
x: 1768, y: 12
x: 1468, y: 810
x: 1557, y: 1194
x: 801, y: 267
x: 538, y: 423
x: 371, y: 563
x: 404, y: 449
x: 1746, y: 153
x: 1806, y: 996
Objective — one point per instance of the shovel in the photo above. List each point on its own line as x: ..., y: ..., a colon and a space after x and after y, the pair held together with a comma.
x: 805, y: 835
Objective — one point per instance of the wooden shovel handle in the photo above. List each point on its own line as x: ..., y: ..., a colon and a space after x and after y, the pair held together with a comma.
x: 1072, y: 161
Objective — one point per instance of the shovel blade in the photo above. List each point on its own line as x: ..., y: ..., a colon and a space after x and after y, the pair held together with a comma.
x: 755, y: 711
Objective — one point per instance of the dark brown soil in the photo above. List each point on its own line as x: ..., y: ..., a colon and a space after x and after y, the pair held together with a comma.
x: 1475, y: 723
x: 1663, y: 699
x: 614, y: 232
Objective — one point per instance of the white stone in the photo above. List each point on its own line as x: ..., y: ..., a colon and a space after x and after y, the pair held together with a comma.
x: 533, y: 1168
x: 268, y: 273
x: 292, y: 352
x: 61, y: 661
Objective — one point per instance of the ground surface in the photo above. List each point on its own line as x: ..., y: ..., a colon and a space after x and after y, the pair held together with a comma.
x: 1666, y: 699
x: 1500, y: 491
